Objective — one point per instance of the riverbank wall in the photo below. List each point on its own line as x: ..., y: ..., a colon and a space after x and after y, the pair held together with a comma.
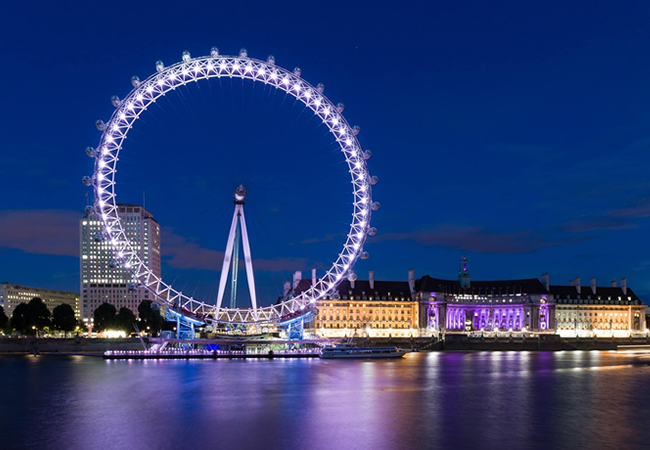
x: 29, y: 345
x: 468, y: 343
x: 542, y: 343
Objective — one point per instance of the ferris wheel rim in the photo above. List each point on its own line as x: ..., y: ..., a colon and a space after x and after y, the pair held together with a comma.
x: 189, y: 70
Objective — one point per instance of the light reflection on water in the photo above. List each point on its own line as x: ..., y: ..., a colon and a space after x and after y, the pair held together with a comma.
x: 481, y: 400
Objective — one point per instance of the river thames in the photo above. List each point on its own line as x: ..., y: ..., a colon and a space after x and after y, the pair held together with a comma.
x: 497, y: 400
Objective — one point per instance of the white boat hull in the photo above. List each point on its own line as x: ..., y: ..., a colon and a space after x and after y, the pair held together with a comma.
x: 361, y: 354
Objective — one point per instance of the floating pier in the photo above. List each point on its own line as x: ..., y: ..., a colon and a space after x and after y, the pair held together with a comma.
x: 208, y: 354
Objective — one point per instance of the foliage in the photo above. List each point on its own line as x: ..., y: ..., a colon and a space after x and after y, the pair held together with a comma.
x: 37, y: 316
x: 150, y: 317
x: 104, y: 317
x: 63, y: 318
x: 81, y: 326
x: 125, y: 320
x: 28, y: 318
x: 18, y: 317
x: 3, y: 319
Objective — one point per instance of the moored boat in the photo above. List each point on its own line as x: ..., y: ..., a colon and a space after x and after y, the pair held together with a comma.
x: 347, y: 351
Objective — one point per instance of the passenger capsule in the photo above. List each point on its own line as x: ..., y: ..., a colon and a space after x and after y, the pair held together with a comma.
x: 271, y: 60
x: 336, y: 295
x: 372, y: 231
x: 214, y: 52
x: 356, y: 129
x: 340, y: 107
x: 364, y: 255
x: 297, y: 71
x: 186, y: 56
x: 98, y: 237
x: 112, y: 264
x: 99, y: 123
x: 90, y: 151
x: 375, y: 206
x: 352, y: 276
x: 89, y: 209
x: 374, y: 180
x: 160, y: 66
x: 155, y: 306
x: 243, y: 53
x: 131, y: 287
x: 115, y: 100
x: 367, y: 154
x: 88, y: 181
x: 135, y: 81
x: 320, y: 88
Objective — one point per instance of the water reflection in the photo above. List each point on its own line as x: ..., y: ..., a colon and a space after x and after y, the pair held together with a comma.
x: 428, y: 400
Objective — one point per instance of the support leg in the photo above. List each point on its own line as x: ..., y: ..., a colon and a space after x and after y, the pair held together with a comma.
x: 248, y: 260
x: 227, y: 257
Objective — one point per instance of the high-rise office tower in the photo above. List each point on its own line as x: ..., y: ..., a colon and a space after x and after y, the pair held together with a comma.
x: 100, y: 283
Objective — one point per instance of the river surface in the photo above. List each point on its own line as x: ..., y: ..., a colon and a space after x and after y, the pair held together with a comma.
x: 483, y: 400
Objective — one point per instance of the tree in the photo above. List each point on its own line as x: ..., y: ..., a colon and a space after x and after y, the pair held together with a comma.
x: 27, y: 318
x: 63, y: 318
x: 125, y: 320
x: 104, y: 317
x: 37, y: 316
x: 3, y: 319
x: 18, y: 318
x: 150, y: 317
x: 81, y: 326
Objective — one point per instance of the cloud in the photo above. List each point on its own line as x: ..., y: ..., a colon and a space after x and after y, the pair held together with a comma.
x: 283, y: 264
x: 183, y: 253
x: 56, y: 232
x: 326, y: 238
x: 42, y: 232
x: 637, y: 210
x: 597, y: 224
x: 619, y: 218
x: 479, y: 239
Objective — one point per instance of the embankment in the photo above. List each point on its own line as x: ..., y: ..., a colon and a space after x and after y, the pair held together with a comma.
x: 67, y: 345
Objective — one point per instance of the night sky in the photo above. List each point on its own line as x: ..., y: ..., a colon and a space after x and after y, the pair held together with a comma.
x: 516, y: 130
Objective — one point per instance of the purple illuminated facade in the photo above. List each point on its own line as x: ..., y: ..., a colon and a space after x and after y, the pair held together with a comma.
x: 464, y: 305
x: 451, y: 308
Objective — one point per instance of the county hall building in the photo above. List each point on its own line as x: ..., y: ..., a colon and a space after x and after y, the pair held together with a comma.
x: 431, y: 306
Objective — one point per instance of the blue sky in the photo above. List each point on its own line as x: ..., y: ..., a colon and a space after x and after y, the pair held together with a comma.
x: 516, y: 130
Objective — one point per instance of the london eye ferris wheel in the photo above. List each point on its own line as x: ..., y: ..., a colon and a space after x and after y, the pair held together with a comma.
x: 190, y: 70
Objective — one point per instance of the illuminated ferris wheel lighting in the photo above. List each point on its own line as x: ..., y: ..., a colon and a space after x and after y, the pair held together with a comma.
x: 166, y: 79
